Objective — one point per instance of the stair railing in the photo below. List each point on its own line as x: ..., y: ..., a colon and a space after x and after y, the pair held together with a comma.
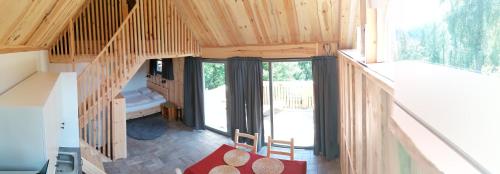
x: 153, y: 29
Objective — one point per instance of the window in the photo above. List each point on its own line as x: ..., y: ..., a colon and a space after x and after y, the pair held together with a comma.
x: 459, y: 34
x: 159, y: 66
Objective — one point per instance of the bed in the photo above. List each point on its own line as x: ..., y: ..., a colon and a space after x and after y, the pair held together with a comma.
x: 142, y: 102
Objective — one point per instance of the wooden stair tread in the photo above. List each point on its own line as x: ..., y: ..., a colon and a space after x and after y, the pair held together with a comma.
x: 92, y: 159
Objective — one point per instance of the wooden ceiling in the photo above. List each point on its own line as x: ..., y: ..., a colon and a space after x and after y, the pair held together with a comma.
x: 219, y: 23
x: 34, y: 24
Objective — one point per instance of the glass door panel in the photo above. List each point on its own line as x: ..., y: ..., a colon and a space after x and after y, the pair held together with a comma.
x: 289, y: 92
x: 214, y: 80
x: 266, y: 100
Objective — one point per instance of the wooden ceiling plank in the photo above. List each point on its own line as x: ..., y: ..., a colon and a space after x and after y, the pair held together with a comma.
x: 291, y: 16
x: 308, y: 20
x: 193, y: 20
x: 11, y: 16
x: 262, y: 16
x: 211, y: 22
x: 55, y: 23
x: 281, y: 21
x: 30, y: 22
x: 265, y: 22
x: 252, y: 16
x: 241, y: 18
x: 224, y: 15
x: 328, y: 19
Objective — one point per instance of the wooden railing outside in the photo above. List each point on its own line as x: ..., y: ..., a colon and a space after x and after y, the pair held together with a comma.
x: 290, y: 94
x: 152, y: 29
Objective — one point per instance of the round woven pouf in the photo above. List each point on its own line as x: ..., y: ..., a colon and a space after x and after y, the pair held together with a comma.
x: 268, y: 166
x: 224, y: 169
x: 236, y: 157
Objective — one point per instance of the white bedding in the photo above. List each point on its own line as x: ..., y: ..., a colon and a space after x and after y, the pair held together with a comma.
x: 142, y: 99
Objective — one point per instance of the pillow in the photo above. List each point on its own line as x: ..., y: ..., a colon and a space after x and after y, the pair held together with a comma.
x: 139, y: 100
x: 144, y: 90
x: 130, y: 94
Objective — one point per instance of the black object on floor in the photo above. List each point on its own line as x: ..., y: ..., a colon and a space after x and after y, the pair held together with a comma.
x: 146, y: 128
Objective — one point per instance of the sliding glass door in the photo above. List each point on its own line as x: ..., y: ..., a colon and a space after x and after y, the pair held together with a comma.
x: 288, y: 101
x: 214, y: 85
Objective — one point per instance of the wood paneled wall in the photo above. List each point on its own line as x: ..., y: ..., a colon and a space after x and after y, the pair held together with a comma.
x: 261, y: 22
x: 368, y: 144
x: 34, y: 25
x: 89, y: 32
x: 152, y: 29
x: 172, y: 90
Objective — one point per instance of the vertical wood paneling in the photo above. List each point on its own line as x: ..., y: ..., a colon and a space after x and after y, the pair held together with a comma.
x: 95, y: 25
x: 139, y: 37
x: 367, y: 144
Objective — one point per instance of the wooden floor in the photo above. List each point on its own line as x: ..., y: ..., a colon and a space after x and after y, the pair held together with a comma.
x: 180, y: 147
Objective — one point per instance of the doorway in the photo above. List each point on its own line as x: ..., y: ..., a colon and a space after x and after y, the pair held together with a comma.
x: 214, y: 86
x: 289, y: 101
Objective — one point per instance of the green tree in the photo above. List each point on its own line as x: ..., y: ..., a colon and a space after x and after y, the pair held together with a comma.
x: 305, y: 72
x: 467, y: 38
x: 265, y: 71
x: 213, y: 75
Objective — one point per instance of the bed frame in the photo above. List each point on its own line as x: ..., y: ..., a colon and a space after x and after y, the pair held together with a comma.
x: 142, y: 113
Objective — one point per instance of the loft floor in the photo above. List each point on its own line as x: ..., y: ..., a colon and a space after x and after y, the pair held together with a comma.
x: 180, y: 147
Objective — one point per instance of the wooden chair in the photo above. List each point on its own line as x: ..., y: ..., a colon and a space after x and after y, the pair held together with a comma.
x: 254, y: 137
x: 271, y: 141
x: 178, y: 171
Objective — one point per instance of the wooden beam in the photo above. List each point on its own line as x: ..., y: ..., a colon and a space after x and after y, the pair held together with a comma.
x: 349, y: 12
x: 268, y: 51
x: 12, y: 49
x: 371, y: 35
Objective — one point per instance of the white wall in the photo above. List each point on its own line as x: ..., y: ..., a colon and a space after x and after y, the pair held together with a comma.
x: 67, y: 87
x: 66, y: 67
x: 139, y: 79
x: 463, y: 106
x: 15, y: 67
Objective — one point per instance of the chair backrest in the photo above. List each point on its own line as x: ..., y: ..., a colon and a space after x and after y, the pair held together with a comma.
x: 271, y: 141
x: 254, y: 137
x: 178, y: 171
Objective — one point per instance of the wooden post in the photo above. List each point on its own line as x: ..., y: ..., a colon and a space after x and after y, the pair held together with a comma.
x: 72, y: 44
x: 119, y: 128
x: 371, y: 35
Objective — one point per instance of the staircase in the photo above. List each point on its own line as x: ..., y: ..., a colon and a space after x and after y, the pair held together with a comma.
x: 152, y: 29
x: 91, y: 159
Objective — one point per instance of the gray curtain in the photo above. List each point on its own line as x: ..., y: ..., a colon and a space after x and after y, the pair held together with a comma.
x: 244, y: 79
x: 167, y: 69
x: 152, y: 66
x: 194, y: 115
x: 326, y: 98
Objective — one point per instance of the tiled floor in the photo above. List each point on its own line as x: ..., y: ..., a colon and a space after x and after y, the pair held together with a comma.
x: 181, y: 147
